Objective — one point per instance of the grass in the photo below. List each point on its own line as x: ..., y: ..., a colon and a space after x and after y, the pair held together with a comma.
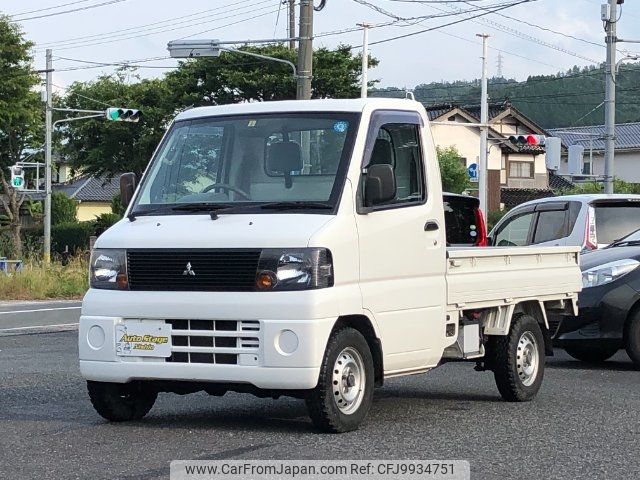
x: 57, y: 281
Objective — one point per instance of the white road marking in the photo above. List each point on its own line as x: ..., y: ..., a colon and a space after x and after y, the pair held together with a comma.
x: 13, y: 312
x: 36, y: 327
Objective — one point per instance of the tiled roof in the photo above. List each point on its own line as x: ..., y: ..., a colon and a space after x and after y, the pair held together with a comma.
x: 627, y: 136
x: 512, y: 197
x: 556, y: 182
x: 438, y: 110
x: 90, y: 189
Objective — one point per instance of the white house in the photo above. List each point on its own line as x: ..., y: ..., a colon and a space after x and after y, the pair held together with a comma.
x: 627, y: 153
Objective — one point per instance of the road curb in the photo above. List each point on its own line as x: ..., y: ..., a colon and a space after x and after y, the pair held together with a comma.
x: 12, y: 332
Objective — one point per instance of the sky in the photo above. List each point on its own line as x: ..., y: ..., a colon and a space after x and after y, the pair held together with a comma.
x: 450, y: 53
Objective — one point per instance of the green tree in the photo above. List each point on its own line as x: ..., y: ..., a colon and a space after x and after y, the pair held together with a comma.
x: 20, y: 117
x: 619, y: 186
x: 234, y: 77
x: 63, y: 209
x: 455, y: 178
x: 100, y: 147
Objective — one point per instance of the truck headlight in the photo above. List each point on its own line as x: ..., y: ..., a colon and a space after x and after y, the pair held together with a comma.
x: 108, y: 269
x: 607, y: 273
x: 295, y: 269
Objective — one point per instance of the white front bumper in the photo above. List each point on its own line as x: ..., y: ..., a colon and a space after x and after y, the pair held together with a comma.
x: 269, y: 368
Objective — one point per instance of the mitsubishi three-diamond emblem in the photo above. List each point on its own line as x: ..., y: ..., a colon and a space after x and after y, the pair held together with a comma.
x: 189, y: 271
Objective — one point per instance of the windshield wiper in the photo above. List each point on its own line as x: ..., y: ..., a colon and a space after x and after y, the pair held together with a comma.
x: 624, y: 243
x: 299, y: 205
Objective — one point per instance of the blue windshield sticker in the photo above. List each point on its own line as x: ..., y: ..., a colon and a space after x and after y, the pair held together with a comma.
x: 340, y: 127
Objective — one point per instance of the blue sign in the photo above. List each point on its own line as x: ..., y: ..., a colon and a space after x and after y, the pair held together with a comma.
x: 472, y: 170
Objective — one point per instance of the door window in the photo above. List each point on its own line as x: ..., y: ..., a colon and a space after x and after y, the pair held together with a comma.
x: 515, y: 232
x: 398, y: 145
x: 551, y: 225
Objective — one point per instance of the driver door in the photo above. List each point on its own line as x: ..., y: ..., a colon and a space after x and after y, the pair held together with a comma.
x: 402, y: 247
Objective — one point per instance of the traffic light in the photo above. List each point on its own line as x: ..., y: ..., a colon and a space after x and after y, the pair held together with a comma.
x: 122, y: 114
x: 17, y: 177
x: 528, y: 140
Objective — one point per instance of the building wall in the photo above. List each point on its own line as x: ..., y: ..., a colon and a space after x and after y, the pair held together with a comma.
x: 467, y: 142
x: 90, y: 210
x: 626, y: 165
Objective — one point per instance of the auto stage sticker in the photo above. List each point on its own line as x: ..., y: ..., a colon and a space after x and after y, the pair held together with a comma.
x: 147, y: 338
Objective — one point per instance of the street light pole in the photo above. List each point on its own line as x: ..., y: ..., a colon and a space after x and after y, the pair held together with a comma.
x: 484, y: 130
x: 365, y: 59
x: 47, y: 159
x: 292, y: 24
x: 305, y: 50
x: 610, y: 97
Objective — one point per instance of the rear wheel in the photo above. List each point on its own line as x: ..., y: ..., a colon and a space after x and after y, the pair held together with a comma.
x: 517, y: 359
x: 121, y: 402
x: 344, y: 393
x: 632, y: 336
x: 593, y: 354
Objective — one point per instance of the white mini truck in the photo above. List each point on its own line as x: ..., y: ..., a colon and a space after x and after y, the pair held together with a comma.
x: 298, y: 248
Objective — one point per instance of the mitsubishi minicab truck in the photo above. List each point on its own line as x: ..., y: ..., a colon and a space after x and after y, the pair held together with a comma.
x: 298, y: 248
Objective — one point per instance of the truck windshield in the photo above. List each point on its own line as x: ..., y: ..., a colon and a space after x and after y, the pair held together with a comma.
x: 261, y: 162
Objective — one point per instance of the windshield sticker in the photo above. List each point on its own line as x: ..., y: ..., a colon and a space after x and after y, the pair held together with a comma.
x: 340, y: 127
x: 252, y: 123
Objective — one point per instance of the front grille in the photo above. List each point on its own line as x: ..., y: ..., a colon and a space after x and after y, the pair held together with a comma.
x: 226, y: 342
x: 202, y: 270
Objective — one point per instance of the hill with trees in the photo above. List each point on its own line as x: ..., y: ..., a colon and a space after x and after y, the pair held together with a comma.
x: 572, y: 98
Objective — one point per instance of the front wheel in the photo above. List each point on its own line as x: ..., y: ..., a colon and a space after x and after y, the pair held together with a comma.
x: 518, y: 359
x: 632, y: 340
x: 121, y: 402
x: 344, y: 393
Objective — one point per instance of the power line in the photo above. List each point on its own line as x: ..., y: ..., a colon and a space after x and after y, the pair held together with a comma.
x: 130, y: 37
x: 149, y: 26
x: 81, y: 95
x: 109, y: 2
x: 513, y: 4
x: 48, y: 8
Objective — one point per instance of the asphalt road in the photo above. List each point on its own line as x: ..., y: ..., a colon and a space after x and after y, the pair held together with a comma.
x: 585, y: 423
x: 32, y: 317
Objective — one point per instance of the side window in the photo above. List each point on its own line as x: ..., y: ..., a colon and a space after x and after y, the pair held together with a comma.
x: 551, y: 225
x: 398, y: 145
x: 515, y: 232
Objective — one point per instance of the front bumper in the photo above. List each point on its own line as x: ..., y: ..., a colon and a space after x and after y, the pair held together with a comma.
x: 603, y: 312
x: 271, y: 360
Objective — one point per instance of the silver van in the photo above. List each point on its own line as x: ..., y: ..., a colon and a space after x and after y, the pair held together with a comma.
x: 590, y: 221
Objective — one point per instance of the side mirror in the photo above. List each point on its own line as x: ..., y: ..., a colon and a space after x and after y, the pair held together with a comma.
x: 380, y: 185
x: 127, y: 187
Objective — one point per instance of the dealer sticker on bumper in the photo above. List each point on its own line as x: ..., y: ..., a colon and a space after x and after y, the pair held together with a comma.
x: 143, y: 338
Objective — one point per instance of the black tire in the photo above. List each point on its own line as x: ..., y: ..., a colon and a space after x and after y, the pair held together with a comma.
x: 121, y: 402
x: 510, y: 366
x: 632, y: 340
x: 322, y: 401
x: 593, y: 354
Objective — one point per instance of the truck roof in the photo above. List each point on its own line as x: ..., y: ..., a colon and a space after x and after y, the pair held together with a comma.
x: 323, y: 105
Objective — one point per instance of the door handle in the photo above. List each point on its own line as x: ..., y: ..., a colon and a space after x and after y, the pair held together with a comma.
x: 431, y: 226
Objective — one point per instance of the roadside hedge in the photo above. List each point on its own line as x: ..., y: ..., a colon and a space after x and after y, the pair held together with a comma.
x: 72, y: 236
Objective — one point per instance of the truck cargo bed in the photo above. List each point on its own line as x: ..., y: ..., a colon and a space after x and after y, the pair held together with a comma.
x: 481, y: 277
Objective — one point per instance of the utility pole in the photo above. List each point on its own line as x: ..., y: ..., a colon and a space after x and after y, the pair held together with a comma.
x: 484, y: 130
x: 47, y: 160
x: 365, y: 58
x: 611, y: 19
x: 292, y: 24
x: 305, y: 50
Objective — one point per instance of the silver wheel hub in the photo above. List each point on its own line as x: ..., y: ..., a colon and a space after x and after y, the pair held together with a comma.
x: 348, y: 381
x: 527, y: 359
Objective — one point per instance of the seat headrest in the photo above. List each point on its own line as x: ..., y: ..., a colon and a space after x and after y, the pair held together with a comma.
x: 382, y: 153
x: 284, y: 157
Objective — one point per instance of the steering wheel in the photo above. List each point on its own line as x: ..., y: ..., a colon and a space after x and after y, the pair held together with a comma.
x: 226, y: 186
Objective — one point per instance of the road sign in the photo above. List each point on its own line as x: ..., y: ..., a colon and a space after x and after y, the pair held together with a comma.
x: 472, y: 170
